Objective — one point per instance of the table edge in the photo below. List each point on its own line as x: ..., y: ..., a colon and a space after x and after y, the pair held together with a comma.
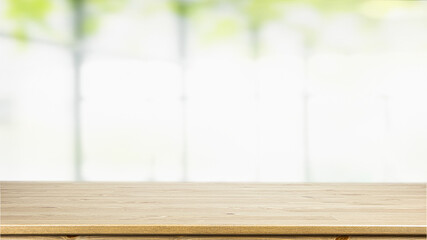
x: 58, y: 229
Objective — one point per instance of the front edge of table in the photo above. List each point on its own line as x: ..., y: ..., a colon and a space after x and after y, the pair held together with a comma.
x: 53, y: 229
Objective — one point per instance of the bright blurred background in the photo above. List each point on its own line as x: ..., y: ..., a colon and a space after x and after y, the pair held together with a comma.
x: 213, y: 90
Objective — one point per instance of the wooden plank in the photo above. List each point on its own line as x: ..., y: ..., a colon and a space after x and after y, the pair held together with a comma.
x: 14, y: 237
x: 212, y: 208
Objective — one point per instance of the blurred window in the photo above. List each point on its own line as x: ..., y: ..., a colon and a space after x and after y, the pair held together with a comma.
x: 213, y: 90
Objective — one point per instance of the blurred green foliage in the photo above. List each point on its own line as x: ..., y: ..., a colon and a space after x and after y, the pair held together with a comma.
x: 95, y: 8
x: 26, y: 14
x: 29, y: 10
x: 258, y: 13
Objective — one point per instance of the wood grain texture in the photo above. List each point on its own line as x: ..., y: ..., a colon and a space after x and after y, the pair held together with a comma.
x: 106, y: 237
x: 212, y: 209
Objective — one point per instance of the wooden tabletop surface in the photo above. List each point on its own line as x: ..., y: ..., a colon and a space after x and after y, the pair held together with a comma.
x: 212, y: 208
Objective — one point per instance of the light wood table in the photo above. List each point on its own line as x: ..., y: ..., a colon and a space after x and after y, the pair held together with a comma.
x: 212, y: 211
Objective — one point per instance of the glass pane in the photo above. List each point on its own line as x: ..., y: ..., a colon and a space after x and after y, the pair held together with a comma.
x: 407, y: 138
x: 281, y: 125
x: 132, y: 120
x: 133, y: 28
x: 222, y: 117
x: 406, y: 85
x: 346, y: 138
x: 41, y: 20
x: 221, y: 122
x: 36, y: 128
x: 280, y: 70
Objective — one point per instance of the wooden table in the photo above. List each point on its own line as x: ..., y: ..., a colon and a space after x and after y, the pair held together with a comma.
x: 212, y: 211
